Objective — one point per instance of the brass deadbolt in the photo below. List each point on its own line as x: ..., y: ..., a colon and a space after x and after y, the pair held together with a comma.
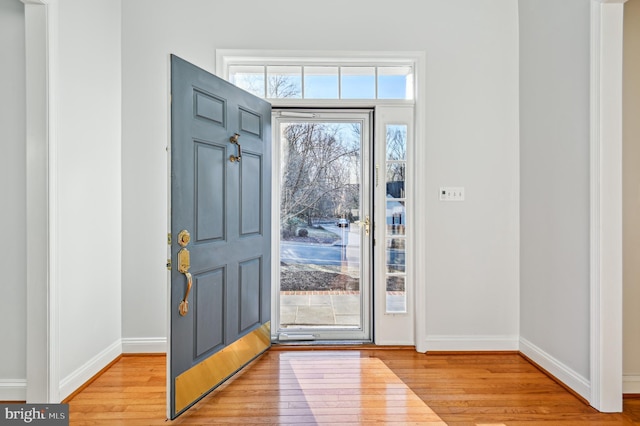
x: 183, y: 238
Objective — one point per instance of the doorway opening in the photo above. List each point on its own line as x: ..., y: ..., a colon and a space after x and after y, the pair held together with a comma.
x: 390, y: 86
x: 325, y: 226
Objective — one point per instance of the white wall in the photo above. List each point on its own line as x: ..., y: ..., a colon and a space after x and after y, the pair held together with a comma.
x: 471, y: 129
x: 631, y: 197
x: 554, y: 207
x: 12, y: 193
x: 88, y: 94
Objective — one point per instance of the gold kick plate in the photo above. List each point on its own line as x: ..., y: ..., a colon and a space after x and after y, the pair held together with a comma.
x: 196, y: 381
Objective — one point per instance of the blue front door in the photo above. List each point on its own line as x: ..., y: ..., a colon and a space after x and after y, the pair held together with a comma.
x: 220, y: 232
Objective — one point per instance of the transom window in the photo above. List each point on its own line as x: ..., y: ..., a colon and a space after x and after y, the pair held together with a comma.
x: 324, y: 80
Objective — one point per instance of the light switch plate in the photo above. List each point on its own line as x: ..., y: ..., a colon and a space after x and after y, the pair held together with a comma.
x: 452, y: 193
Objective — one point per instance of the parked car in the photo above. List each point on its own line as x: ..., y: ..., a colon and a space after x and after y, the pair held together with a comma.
x: 342, y: 223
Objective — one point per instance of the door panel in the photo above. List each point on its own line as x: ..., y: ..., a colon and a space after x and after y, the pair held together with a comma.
x: 250, y: 293
x: 208, y: 295
x: 224, y: 203
x: 251, y: 194
x: 210, y: 212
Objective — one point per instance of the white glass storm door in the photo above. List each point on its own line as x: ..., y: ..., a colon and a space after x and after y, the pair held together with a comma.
x: 325, y: 226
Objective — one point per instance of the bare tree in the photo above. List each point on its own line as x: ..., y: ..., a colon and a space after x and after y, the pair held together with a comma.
x: 321, y: 169
x: 278, y: 86
x: 396, y: 157
x: 282, y: 86
x: 251, y: 82
x: 396, y: 142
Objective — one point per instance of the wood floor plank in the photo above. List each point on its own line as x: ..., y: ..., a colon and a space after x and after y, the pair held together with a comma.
x: 333, y: 387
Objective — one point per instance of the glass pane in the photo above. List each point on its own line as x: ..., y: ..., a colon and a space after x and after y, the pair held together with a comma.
x: 249, y: 78
x: 395, y: 255
x: 395, y: 180
x: 284, y: 82
x: 358, y: 82
x: 321, y: 82
x: 395, y: 83
x: 396, y: 220
x: 320, y: 246
x: 396, y: 294
x: 396, y: 142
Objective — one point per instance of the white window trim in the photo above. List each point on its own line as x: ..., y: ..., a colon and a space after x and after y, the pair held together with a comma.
x: 227, y: 58
x: 417, y: 272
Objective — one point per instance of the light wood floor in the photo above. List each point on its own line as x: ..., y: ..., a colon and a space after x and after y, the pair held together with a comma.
x: 383, y: 386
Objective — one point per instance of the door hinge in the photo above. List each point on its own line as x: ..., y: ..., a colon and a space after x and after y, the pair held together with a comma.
x: 169, y: 238
x: 169, y: 264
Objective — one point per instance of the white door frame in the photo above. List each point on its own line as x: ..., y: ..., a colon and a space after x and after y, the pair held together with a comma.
x: 607, y: 18
x: 418, y: 58
x: 43, y: 375
x: 365, y: 116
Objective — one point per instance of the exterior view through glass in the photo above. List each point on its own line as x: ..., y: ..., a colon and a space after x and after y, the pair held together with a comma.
x: 321, y: 225
x: 396, y: 232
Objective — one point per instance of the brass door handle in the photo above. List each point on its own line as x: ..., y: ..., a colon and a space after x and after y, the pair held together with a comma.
x: 184, y: 305
x: 184, y: 263
x: 366, y: 224
x: 234, y: 140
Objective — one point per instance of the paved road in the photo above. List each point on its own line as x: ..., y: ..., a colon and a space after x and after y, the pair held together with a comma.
x: 312, y: 254
x: 319, y: 254
x: 347, y: 249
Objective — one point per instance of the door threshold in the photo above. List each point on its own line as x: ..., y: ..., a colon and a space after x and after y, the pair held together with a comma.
x: 320, y: 346
x: 325, y: 344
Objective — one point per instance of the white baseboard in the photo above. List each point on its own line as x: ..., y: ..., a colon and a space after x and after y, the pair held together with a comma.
x: 566, y: 375
x: 630, y: 384
x: 472, y: 343
x: 73, y: 381
x: 13, y: 390
x: 144, y: 345
x: 394, y: 343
